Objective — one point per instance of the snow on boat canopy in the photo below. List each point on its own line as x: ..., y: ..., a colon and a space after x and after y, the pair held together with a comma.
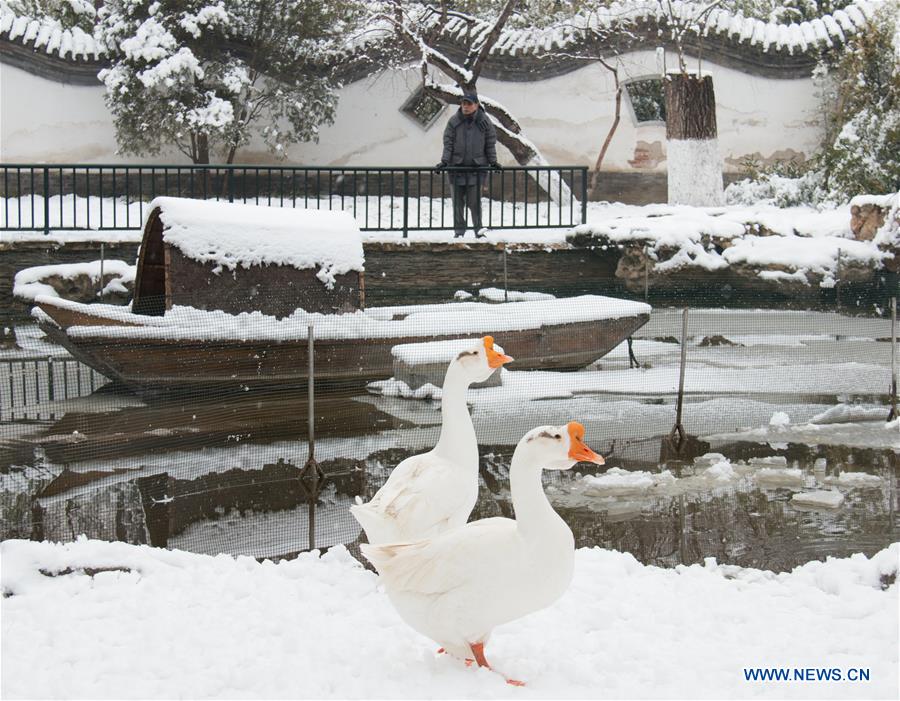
x: 225, y: 293
x: 235, y: 258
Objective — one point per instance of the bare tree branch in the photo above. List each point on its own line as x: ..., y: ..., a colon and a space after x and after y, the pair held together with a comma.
x: 478, y: 54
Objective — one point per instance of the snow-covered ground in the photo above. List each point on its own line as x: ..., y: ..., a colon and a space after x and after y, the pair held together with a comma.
x: 171, y: 624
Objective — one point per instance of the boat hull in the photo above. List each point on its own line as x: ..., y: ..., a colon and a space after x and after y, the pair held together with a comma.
x: 171, y: 365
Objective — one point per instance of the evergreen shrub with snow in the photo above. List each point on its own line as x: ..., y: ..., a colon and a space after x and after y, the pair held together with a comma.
x: 862, y: 149
x: 860, y: 90
x: 205, y: 77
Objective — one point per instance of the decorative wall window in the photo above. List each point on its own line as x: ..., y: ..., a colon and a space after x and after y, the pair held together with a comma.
x: 648, y: 101
x: 423, y: 108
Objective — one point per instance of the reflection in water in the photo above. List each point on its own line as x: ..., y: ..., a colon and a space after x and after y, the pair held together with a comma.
x: 741, y: 522
x: 222, y: 474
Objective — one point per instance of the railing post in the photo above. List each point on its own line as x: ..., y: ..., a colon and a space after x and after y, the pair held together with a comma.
x: 230, y: 177
x: 405, y: 203
x: 46, y: 201
x: 584, y: 191
x: 51, y: 395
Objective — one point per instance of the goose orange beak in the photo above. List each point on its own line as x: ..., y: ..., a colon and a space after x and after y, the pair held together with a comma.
x: 577, y: 449
x: 495, y: 359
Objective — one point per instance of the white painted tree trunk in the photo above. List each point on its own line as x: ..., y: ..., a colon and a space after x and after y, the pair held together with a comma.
x: 692, y: 148
x: 695, y: 172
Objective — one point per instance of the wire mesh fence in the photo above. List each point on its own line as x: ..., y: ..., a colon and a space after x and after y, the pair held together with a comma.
x: 193, y: 431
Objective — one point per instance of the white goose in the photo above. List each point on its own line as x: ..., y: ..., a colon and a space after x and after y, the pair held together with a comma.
x: 457, y: 587
x: 431, y: 492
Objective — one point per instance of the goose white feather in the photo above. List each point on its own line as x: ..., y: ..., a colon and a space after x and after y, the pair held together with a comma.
x: 429, y: 493
x: 457, y: 587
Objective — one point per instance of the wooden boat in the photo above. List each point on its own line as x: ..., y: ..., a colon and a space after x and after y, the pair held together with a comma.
x: 224, y: 294
x: 172, y: 356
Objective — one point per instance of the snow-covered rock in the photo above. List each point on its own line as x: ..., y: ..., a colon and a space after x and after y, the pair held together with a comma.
x: 79, y: 282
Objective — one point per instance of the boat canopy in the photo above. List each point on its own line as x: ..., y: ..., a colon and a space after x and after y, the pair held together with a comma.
x: 238, y: 258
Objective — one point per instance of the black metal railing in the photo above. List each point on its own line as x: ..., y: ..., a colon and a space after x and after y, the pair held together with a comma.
x: 103, y: 197
x: 29, y: 386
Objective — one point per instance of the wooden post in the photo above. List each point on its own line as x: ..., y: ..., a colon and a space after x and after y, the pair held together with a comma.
x: 505, y: 280
x: 837, y: 281
x: 311, y: 475
x: 893, y: 413
x: 646, y: 273
x: 684, y: 330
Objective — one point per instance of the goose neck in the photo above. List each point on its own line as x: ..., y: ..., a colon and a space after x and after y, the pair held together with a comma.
x: 457, y: 431
x: 534, y: 515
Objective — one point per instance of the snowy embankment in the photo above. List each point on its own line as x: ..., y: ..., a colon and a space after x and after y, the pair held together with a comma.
x: 801, y: 244
x: 29, y: 283
x: 792, y: 244
x: 162, y: 624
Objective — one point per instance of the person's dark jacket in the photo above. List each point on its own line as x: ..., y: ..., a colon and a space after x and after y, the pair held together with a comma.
x: 469, y: 141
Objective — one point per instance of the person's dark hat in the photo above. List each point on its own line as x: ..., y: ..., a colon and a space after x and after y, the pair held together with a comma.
x: 469, y: 97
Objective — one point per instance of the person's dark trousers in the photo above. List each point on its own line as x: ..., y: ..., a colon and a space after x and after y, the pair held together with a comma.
x: 466, y: 196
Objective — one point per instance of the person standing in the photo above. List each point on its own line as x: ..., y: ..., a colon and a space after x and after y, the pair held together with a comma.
x: 470, y: 139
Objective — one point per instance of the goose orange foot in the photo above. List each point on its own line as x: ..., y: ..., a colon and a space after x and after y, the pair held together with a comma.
x: 478, y: 651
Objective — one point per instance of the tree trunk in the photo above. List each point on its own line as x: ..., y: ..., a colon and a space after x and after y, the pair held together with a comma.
x: 202, y: 149
x: 595, y: 178
x: 694, y: 167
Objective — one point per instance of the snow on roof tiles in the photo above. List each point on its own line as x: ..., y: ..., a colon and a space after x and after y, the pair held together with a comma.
x: 231, y: 235
x: 828, y: 31
x: 48, y: 35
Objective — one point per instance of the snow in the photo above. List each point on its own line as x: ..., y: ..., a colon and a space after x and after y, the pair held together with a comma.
x: 889, y: 233
x: 805, y: 241
x: 194, y: 626
x: 884, y: 201
x: 727, y: 25
x: 392, y: 387
x: 855, y: 479
x: 438, y: 320
x: 870, y: 434
x: 616, y: 481
x: 780, y: 476
x: 28, y: 283
x: 844, y: 413
x: 819, y: 256
x: 721, y: 471
x: 694, y: 172
x: 829, y: 499
x: 433, y: 351
x: 779, y: 420
x: 48, y: 34
x: 495, y: 294
x: 229, y: 235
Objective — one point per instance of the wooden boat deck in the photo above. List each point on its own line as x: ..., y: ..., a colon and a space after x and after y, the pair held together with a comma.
x: 145, y: 360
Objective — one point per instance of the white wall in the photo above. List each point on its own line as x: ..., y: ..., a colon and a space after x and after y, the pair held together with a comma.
x: 567, y: 117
